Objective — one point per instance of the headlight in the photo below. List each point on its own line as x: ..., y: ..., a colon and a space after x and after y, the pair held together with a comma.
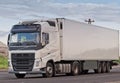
x: 37, y: 63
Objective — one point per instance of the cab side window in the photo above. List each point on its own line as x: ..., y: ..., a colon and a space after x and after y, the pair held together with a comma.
x: 45, y: 39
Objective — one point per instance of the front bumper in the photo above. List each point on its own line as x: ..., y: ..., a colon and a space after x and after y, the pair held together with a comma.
x: 27, y: 72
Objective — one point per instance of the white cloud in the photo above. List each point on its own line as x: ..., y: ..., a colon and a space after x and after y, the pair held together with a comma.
x: 18, y: 10
x: 3, y: 33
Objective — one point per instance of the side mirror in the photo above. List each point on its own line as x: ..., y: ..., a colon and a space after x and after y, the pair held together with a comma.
x: 45, y: 39
x: 8, y: 40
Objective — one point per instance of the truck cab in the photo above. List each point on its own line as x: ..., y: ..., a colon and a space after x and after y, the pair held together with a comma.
x: 31, y: 45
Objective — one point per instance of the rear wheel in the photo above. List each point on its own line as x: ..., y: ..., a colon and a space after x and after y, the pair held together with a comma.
x: 99, y: 68
x: 49, y: 70
x: 107, y: 67
x: 20, y: 75
x: 75, y: 68
x: 103, y: 67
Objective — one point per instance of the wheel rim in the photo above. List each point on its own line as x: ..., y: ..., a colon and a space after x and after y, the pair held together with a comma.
x: 108, y: 68
x: 99, y: 68
x: 76, y: 70
x: 104, y: 67
x: 49, y: 69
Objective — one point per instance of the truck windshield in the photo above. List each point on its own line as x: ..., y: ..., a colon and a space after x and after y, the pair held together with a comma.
x: 18, y: 39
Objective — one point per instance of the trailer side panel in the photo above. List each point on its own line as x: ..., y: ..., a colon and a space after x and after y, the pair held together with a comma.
x: 89, y: 42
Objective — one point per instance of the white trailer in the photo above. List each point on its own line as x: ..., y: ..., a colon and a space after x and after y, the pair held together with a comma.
x: 60, y: 45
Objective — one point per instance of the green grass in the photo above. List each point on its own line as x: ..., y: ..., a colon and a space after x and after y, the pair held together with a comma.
x: 3, y: 62
x: 116, y: 61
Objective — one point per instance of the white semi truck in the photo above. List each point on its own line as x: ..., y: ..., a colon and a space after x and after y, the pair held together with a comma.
x: 61, y: 46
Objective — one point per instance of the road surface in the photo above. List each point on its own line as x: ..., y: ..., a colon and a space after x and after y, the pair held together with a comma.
x: 112, y: 77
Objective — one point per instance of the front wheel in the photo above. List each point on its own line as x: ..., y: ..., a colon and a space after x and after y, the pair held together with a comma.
x: 20, y: 75
x: 49, y: 70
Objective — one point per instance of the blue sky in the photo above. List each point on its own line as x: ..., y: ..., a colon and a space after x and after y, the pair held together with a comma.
x: 106, y: 13
x: 88, y: 1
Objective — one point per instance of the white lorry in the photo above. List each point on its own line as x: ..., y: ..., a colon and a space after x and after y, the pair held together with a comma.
x: 61, y: 46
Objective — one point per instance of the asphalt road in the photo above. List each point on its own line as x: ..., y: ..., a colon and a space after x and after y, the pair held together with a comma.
x: 112, y: 77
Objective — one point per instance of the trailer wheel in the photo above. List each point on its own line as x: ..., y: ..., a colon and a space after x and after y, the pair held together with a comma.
x: 49, y: 70
x: 20, y: 75
x: 107, y: 67
x: 99, y: 68
x: 75, y: 68
x: 104, y: 67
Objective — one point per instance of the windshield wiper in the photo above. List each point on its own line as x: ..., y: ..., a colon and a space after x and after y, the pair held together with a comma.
x: 23, y: 43
x: 16, y: 44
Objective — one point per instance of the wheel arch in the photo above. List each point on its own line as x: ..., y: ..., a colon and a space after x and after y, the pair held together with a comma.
x: 51, y: 61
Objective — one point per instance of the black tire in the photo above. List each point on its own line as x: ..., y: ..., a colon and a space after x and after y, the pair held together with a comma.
x: 85, y: 71
x: 68, y: 74
x: 49, y: 70
x: 80, y: 67
x: 75, y: 69
x: 99, y: 68
x: 20, y: 75
x: 107, y: 67
x: 103, y: 67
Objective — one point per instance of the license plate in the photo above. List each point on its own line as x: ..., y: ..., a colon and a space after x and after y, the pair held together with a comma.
x: 22, y: 72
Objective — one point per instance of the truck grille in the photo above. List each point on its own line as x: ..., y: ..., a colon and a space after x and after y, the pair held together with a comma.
x: 23, y: 61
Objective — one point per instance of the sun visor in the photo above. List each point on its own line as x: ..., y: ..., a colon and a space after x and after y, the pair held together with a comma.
x: 26, y: 28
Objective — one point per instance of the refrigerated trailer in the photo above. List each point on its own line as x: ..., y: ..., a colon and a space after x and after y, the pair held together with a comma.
x: 61, y: 46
